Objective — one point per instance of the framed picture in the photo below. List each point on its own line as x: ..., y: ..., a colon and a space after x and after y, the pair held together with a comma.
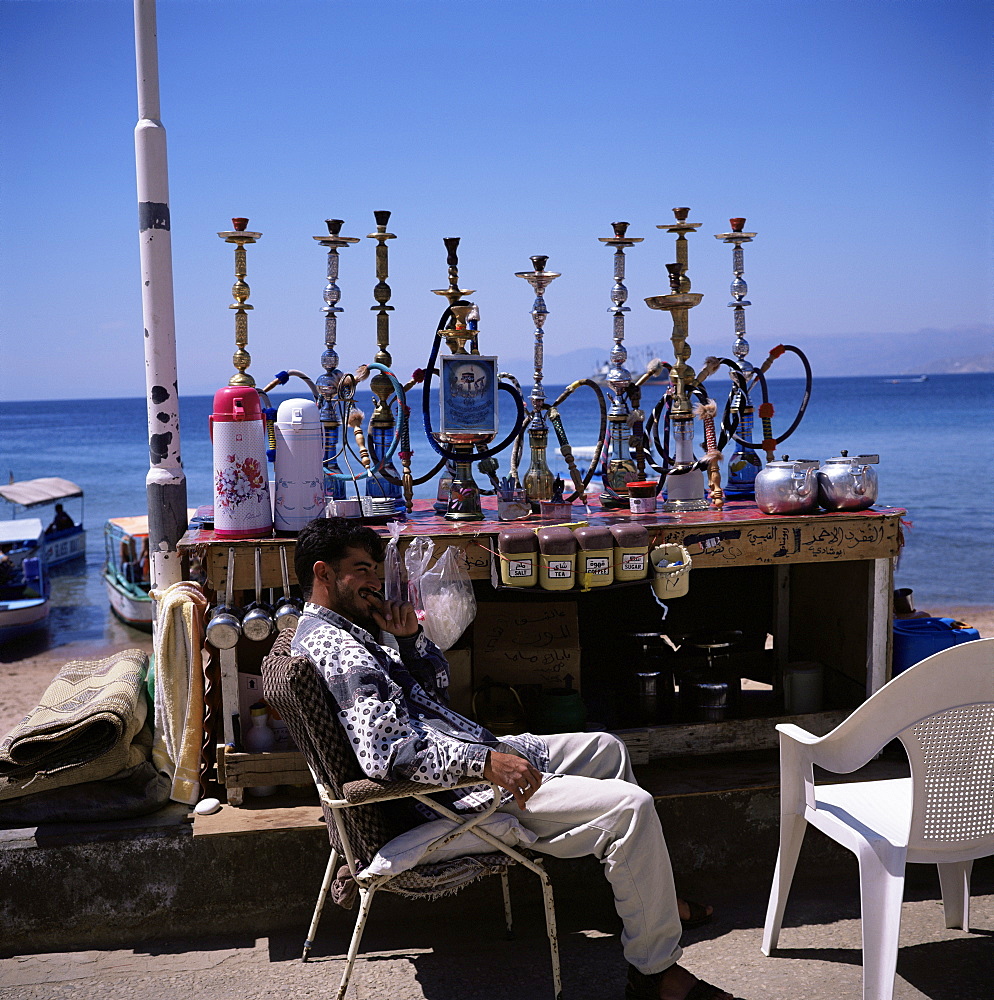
x: 468, y: 390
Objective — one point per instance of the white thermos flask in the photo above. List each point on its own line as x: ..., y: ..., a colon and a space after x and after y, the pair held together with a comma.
x: 299, y: 471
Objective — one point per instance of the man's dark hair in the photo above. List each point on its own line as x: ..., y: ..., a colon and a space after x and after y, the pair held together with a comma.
x: 327, y: 539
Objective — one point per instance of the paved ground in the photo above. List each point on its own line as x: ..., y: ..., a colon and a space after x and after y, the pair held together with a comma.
x: 455, y: 948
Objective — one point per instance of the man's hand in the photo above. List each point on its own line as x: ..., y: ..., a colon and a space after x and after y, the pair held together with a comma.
x: 397, y: 617
x: 513, y: 773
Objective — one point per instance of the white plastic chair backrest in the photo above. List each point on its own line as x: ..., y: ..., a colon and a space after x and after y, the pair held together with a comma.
x: 958, y: 676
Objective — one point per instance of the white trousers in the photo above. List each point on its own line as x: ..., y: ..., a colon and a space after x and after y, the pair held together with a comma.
x: 590, y: 803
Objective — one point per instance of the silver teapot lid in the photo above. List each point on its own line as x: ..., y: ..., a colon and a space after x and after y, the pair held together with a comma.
x: 855, y: 459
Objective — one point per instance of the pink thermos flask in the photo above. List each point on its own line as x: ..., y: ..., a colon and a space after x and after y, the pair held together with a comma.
x: 242, y: 508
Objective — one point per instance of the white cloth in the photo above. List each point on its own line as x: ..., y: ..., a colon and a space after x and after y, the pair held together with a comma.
x: 407, y: 850
x: 591, y: 804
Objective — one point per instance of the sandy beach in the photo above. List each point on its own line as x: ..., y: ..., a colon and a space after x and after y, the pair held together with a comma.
x: 25, y: 671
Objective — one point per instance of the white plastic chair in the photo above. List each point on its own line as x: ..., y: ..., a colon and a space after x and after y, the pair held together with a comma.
x: 942, y: 710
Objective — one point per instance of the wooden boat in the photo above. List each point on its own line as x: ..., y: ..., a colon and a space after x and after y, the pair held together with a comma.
x: 65, y: 540
x: 126, y: 570
x: 24, y: 589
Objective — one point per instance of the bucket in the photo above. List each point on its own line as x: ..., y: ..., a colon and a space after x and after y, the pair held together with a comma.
x: 915, y: 639
x: 671, y: 565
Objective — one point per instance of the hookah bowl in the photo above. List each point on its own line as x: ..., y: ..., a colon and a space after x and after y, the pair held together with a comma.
x: 538, y: 480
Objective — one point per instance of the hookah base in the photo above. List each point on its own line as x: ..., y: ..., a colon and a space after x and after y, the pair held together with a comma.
x: 464, y: 516
x: 685, y: 506
x: 610, y: 501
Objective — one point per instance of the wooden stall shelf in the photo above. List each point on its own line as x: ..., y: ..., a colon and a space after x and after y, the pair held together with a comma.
x: 818, y: 586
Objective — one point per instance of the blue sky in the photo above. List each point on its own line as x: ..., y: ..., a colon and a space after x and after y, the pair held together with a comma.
x: 854, y: 136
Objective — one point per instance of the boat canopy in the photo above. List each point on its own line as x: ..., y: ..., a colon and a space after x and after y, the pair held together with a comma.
x: 25, y: 530
x: 135, y: 525
x: 34, y: 492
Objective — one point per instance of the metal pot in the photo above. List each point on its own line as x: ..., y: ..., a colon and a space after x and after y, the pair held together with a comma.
x: 787, y: 487
x: 258, y: 621
x: 288, y: 611
x: 846, y: 483
x: 225, y: 625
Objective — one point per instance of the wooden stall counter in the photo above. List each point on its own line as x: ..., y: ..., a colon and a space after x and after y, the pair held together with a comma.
x: 812, y: 587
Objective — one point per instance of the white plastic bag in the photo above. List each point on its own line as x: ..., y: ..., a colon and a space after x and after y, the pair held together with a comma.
x: 416, y: 559
x: 393, y: 586
x: 448, y: 599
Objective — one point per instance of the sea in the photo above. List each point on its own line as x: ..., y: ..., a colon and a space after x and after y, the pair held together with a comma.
x: 935, y: 440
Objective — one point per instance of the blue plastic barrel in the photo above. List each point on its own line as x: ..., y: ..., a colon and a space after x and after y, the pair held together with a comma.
x: 916, y: 639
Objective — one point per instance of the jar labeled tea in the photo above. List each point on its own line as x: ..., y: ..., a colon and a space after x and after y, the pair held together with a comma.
x: 518, y: 551
x: 595, y: 556
x: 631, y: 553
x: 557, y: 558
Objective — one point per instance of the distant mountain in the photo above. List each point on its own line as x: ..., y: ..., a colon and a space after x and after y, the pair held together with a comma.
x: 924, y: 351
x: 972, y: 365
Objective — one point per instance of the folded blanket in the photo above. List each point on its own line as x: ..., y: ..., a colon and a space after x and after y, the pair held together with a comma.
x: 84, y: 728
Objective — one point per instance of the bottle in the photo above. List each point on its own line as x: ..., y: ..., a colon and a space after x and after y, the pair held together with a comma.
x: 744, y: 465
x: 259, y: 739
x: 538, y: 479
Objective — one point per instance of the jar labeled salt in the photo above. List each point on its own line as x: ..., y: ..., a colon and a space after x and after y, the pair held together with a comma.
x: 518, y: 549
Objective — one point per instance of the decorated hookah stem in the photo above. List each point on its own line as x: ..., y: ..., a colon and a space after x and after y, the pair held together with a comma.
x: 744, y: 463
x: 685, y: 490
x: 240, y: 291
x: 382, y: 420
x: 328, y: 382
x: 619, y: 378
x: 454, y: 294
x: 538, y: 478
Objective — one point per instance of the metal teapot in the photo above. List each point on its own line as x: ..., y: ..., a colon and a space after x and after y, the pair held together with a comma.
x: 787, y: 487
x: 846, y: 483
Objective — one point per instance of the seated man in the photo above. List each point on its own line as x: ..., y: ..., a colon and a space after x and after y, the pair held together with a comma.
x: 575, y: 791
x: 61, y: 521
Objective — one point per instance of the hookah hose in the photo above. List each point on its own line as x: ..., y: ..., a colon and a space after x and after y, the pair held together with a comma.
x: 447, y: 453
x: 269, y: 411
x: 519, y: 440
x: 346, y: 394
x: 580, y: 482
x: 769, y: 442
x: 657, y: 417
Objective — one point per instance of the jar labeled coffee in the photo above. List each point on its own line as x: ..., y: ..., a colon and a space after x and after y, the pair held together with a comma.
x: 595, y: 556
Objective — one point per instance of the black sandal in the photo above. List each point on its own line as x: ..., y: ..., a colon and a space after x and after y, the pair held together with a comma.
x: 699, y: 915
x: 643, y: 987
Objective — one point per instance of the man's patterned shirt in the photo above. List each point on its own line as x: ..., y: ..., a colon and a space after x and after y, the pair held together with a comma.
x: 392, y: 707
